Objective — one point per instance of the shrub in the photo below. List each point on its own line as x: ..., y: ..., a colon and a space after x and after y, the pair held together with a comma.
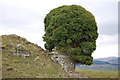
x: 72, y: 30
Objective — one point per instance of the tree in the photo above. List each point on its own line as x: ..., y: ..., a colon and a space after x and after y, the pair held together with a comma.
x: 73, y: 31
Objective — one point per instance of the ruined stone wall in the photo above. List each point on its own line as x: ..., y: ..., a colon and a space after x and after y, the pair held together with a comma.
x: 64, y: 60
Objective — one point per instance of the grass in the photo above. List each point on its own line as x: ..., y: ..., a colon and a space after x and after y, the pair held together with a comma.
x: 0, y: 66
x: 90, y: 73
x: 17, y: 67
x: 44, y: 67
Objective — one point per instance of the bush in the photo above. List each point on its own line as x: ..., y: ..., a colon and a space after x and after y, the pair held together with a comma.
x: 72, y: 30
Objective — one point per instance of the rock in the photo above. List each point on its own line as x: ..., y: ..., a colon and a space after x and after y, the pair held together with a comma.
x: 64, y: 60
x: 9, y: 69
x: 21, y: 51
x: 36, y: 58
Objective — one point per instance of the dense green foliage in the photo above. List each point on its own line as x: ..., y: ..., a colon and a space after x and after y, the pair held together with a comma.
x: 72, y: 30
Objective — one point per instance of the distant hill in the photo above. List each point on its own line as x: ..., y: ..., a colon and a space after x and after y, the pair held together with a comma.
x: 97, y: 62
x: 112, y: 60
x: 23, y: 59
x: 102, y: 63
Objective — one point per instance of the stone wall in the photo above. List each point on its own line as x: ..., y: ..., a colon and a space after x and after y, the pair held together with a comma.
x: 64, y: 60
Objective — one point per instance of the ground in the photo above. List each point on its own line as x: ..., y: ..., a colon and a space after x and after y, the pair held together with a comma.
x: 90, y: 73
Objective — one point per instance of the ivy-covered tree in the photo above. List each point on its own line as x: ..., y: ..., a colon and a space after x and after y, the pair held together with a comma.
x: 73, y: 31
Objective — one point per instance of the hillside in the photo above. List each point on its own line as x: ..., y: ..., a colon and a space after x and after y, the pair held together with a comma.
x: 23, y: 59
x: 111, y: 60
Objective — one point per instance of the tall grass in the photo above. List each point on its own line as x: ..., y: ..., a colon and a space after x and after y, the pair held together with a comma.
x: 90, y: 73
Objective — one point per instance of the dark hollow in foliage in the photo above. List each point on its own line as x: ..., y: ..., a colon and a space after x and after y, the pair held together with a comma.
x: 73, y: 31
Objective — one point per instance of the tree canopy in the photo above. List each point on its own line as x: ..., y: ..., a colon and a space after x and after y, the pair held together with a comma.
x: 73, y: 31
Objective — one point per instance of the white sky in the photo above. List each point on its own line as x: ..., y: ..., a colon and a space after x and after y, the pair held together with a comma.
x: 25, y: 18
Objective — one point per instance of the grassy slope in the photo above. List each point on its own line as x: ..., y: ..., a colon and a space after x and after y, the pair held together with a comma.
x: 17, y: 67
x: 28, y: 68
x: 44, y: 67
x: 90, y: 73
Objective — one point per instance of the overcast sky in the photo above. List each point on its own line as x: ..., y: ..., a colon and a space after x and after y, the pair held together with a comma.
x: 25, y: 18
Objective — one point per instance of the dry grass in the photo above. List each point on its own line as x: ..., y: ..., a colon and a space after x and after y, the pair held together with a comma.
x: 98, y: 73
